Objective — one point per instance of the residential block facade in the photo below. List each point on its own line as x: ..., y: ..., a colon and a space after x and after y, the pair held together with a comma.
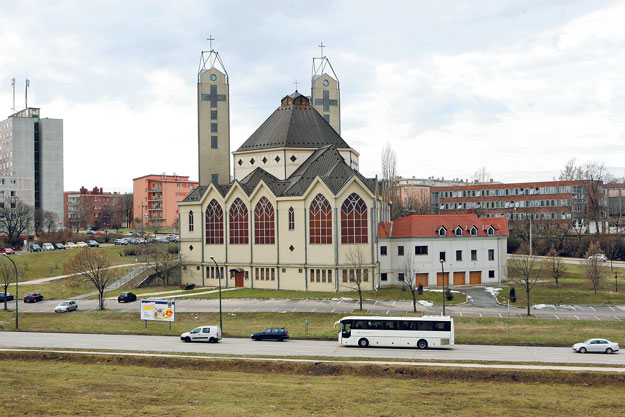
x: 155, y: 198
x: 90, y: 208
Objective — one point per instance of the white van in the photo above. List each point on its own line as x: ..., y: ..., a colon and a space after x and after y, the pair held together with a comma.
x: 210, y: 334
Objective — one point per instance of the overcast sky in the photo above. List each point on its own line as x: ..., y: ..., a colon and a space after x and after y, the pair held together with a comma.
x: 517, y: 87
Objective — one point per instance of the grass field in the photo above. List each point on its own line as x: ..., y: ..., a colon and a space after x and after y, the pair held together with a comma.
x: 49, y: 264
x: 382, y: 294
x: 534, y: 332
x: 574, y: 289
x: 87, y: 385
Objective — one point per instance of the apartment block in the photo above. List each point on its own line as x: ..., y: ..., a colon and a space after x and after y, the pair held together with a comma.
x: 31, y: 159
x: 156, y: 197
x: 89, y: 208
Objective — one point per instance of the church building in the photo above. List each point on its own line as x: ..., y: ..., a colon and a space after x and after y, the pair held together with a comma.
x: 297, y: 214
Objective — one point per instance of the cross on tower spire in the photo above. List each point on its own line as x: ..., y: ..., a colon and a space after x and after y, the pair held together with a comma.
x: 296, y: 84
x: 321, y: 46
x: 210, y: 40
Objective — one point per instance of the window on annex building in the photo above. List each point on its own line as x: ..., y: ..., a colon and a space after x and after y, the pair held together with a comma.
x: 400, y: 251
x: 400, y: 276
x: 491, y: 274
x: 420, y: 250
x: 491, y: 254
x: 473, y: 255
x: 214, y: 224
x: 238, y: 223
x: 441, y: 256
x: 291, y: 218
x: 382, y: 250
x: 354, y: 220
x: 191, y: 221
x: 264, y: 233
x: 458, y: 255
x: 320, y: 221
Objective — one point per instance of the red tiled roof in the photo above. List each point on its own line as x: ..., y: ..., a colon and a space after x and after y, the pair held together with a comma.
x: 429, y: 224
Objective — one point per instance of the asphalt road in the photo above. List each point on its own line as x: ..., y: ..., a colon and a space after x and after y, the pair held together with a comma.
x: 346, y: 306
x: 294, y: 348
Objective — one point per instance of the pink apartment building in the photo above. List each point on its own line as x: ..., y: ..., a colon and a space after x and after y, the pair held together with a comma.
x: 155, y: 198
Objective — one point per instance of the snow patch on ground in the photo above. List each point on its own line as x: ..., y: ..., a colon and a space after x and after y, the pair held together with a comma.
x: 493, y: 291
x: 425, y: 303
x: 544, y: 306
x: 437, y: 290
x: 343, y: 299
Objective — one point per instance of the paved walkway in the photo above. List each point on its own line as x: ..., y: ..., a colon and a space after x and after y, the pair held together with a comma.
x: 481, y: 296
x: 44, y: 280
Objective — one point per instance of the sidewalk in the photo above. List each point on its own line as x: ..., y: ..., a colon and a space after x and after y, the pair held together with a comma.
x: 44, y: 280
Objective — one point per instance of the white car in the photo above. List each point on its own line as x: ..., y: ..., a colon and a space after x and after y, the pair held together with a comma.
x: 47, y: 247
x: 596, y: 345
x: 66, y: 306
x: 598, y: 256
x: 211, y: 334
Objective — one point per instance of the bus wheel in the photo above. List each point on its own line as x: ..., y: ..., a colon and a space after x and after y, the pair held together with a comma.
x: 422, y: 344
x: 363, y: 343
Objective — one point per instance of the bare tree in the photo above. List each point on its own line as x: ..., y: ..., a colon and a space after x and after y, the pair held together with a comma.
x: 389, y: 171
x: 410, y: 279
x: 158, y: 257
x: 481, y: 175
x: 594, y: 270
x: 126, y: 208
x: 49, y: 221
x: 94, y: 267
x: 7, y: 277
x: 357, y: 274
x: 555, y: 267
x: 15, y: 216
x: 525, y: 270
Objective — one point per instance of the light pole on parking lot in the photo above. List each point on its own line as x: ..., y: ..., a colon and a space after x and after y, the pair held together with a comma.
x: 219, y: 278
x: 16, y: 291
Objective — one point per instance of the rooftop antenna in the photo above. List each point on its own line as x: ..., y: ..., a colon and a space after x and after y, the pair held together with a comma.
x: 13, y: 85
x: 209, y: 58
x: 26, y: 94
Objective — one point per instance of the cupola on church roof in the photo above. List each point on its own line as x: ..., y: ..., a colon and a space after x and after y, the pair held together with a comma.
x: 295, y: 124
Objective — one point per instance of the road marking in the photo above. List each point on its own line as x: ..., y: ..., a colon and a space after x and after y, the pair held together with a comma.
x: 576, y: 317
x: 557, y: 317
x: 387, y: 312
x: 375, y: 303
x: 461, y: 314
x: 394, y: 302
x: 617, y: 318
x: 597, y: 318
x: 611, y: 308
x: 480, y: 314
x: 333, y: 311
x: 592, y: 308
x: 293, y: 311
x: 500, y: 316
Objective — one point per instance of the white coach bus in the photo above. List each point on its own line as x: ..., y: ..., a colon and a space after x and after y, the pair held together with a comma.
x: 420, y: 332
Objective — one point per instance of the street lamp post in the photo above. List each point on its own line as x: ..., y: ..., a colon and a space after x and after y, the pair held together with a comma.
x: 443, y: 272
x: 16, y: 291
x: 219, y: 277
x: 616, y: 281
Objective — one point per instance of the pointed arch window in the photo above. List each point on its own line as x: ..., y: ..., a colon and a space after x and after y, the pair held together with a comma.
x: 473, y: 231
x: 291, y: 218
x: 191, y: 221
x: 264, y: 233
x: 320, y: 221
x: 490, y: 230
x: 214, y: 224
x: 458, y: 231
x: 354, y: 220
x: 238, y: 223
x: 442, y: 231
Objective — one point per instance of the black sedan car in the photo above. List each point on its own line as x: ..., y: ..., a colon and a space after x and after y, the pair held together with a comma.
x: 5, y: 296
x: 126, y: 297
x: 273, y: 333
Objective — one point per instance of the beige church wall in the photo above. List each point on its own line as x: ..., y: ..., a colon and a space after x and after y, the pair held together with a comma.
x: 301, y: 155
x: 292, y: 279
x: 296, y: 237
x: 350, y: 156
x: 191, y: 275
x: 345, y: 250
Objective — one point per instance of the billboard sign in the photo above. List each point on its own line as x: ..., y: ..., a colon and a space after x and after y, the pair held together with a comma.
x: 160, y: 310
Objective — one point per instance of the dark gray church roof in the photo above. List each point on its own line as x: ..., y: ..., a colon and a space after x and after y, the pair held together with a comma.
x: 325, y: 163
x: 295, y: 124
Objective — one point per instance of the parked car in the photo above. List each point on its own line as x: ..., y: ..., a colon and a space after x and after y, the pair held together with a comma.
x: 66, y: 306
x: 70, y: 245
x: 47, y: 247
x: 126, y: 297
x: 81, y: 245
x: 273, y: 333
x: 90, y: 232
x: 210, y: 334
x: 33, y: 297
x: 93, y: 244
x: 8, y: 296
x: 35, y: 247
x: 598, y: 256
x: 120, y: 242
x: 59, y: 246
x: 8, y: 251
x: 596, y: 345
x: 100, y: 232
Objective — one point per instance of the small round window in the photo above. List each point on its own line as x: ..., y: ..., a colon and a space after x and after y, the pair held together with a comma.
x: 213, y: 77
x: 326, y: 83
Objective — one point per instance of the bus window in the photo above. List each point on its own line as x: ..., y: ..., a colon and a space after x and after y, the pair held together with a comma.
x: 409, y: 325
x: 346, y: 328
x: 442, y: 326
x: 424, y: 325
x: 391, y: 325
x: 375, y: 325
x: 359, y: 324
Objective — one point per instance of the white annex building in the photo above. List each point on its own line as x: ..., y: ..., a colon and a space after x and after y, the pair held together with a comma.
x: 462, y: 248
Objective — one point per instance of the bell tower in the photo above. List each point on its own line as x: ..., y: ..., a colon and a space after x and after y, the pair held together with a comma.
x: 325, y: 94
x: 213, y: 115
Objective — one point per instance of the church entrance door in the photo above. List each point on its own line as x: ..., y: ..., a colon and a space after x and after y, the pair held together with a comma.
x: 239, y: 275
